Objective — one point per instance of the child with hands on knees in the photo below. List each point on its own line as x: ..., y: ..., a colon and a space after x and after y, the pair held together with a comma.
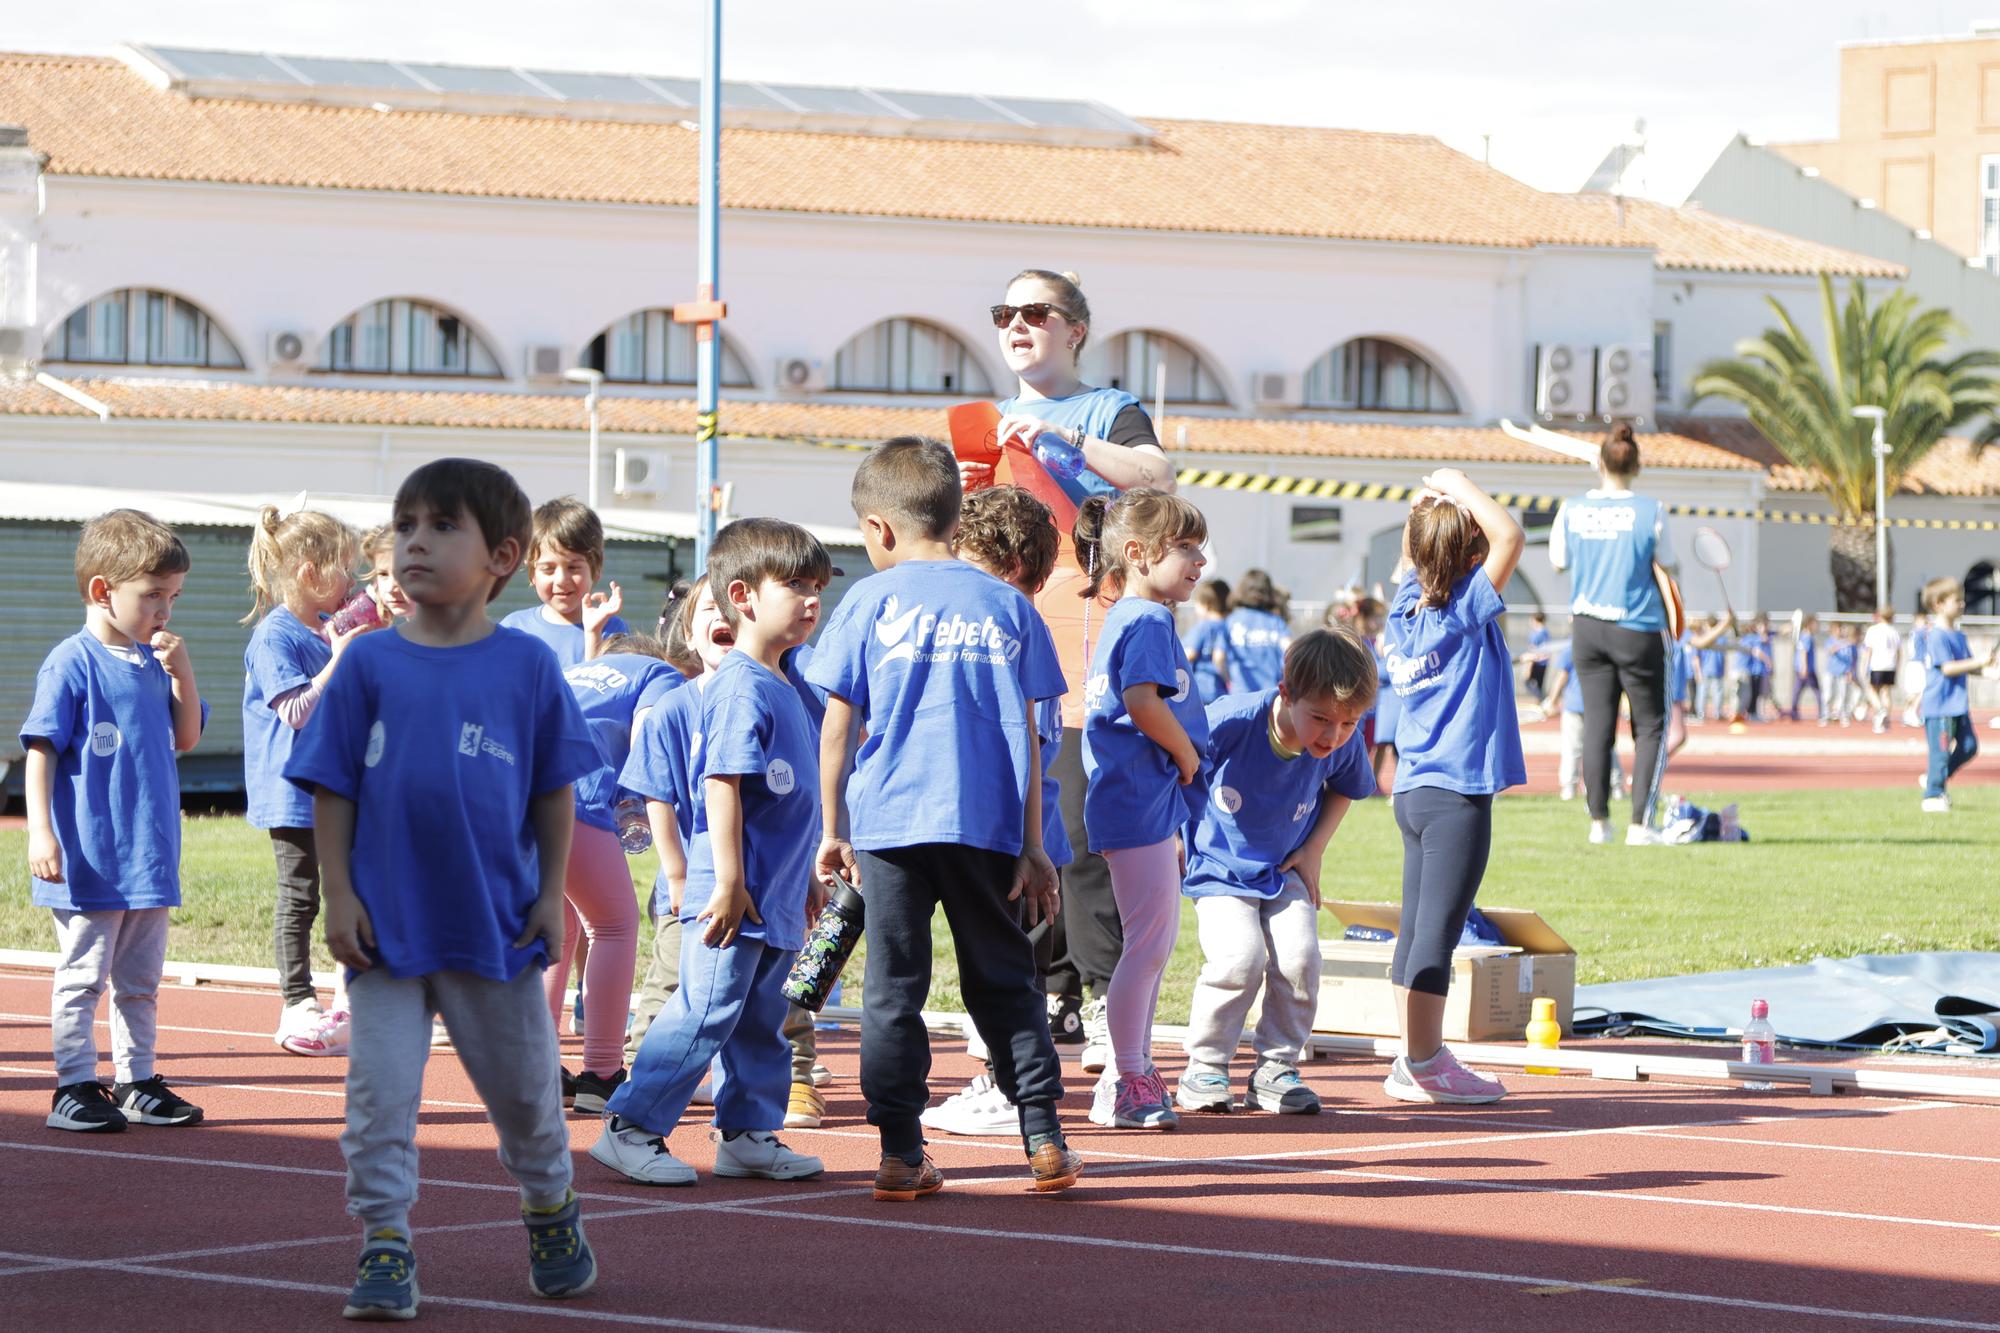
x: 1283, y: 765
x: 749, y: 880
x: 114, y: 703
x: 565, y: 557
x: 943, y: 666
x: 1143, y: 733
x: 441, y: 759
x: 301, y: 572
x: 1460, y: 744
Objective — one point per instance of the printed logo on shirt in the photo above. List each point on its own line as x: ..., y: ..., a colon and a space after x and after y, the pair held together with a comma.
x: 1412, y: 675
x: 694, y: 755
x: 1593, y: 523
x: 953, y: 638
x: 599, y: 676
x: 1300, y: 813
x: 1181, y: 684
x: 1228, y: 800
x: 778, y: 776
x: 378, y: 740
x: 1094, y: 691
x: 472, y: 741
x: 104, y: 739
x: 1249, y: 636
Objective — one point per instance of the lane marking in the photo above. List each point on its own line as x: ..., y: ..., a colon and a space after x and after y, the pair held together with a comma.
x: 1587, y: 1286
x: 1953, y: 1157
x: 340, y: 1092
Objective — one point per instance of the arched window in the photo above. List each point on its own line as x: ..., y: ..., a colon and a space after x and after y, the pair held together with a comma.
x: 1376, y: 375
x: 142, y: 327
x: 403, y: 337
x: 1131, y: 362
x: 647, y: 347
x: 908, y: 356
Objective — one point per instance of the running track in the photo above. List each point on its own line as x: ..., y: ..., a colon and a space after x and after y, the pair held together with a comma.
x: 1572, y: 1204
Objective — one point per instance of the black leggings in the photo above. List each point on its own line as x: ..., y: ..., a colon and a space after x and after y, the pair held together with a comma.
x: 298, y: 907
x: 1087, y: 938
x: 1446, y: 837
x: 1612, y: 660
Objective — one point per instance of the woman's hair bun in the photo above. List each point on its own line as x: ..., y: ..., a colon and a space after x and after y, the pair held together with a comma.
x: 1074, y: 281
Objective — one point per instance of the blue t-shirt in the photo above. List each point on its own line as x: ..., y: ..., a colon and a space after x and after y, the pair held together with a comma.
x: 660, y: 766
x: 1261, y: 807
x: 441, y: 750
x: 1256, y: 649
x: 1711, y: 663
x: 1132, y: 795
x: 1608, y: 542
x: 1092, y: 411
x: 941, y: 662
x: 563, y: 638
x: 1839, y: 659
x: 1451, y: 668
x: 283, y: 656
x: 612, y: 691
x: 796, y: 660
x: 1805, y: 655
x: 1565, y: 660
x: 1202, y: 643
x: 116, y: 800
x: 1388, y: 708
x: 1756, y: 650
x: 1944, y: 696
x: 1538, y: 637
x: 1055, y: 834
x: 754, y: 727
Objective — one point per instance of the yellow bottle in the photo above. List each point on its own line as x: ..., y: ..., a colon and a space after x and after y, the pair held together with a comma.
x: 1544, y: 1034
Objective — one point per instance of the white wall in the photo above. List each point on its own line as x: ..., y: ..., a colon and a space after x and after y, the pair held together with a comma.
x: 1711, y: 312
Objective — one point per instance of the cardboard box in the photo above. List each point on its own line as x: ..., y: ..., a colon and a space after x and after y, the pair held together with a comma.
x: 1491, y: 987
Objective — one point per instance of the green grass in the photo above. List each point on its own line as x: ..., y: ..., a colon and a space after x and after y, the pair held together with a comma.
x: 1830, y: 874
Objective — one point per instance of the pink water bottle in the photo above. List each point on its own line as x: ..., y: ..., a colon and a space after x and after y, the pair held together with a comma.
x: 359, y: 610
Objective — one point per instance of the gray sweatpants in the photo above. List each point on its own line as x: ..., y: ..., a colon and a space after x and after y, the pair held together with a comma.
x: 502, y: 1033
x: 127, y: 949
x: 1248, y: 944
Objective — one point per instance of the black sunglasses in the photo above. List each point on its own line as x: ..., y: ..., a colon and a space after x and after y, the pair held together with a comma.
x: 1035, y: 312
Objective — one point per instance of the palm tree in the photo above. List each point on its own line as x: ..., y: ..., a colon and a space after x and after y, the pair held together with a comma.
x: 1893, y: 356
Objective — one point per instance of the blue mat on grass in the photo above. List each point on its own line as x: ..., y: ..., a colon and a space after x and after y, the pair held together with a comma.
x: 1864, y: 1001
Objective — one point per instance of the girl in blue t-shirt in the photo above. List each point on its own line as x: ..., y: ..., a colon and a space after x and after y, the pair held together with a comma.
x: 1143, y: 731
x: 1207, y: 644
x: 301, y: 571
x: 1257, y: 633
x: 1459, y: 744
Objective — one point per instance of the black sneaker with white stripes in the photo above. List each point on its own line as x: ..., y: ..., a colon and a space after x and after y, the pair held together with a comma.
x: 86, y: 1108
x: 151, y: 1102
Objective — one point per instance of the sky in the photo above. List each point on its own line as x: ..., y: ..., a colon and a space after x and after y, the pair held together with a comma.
x: 1542, y: 88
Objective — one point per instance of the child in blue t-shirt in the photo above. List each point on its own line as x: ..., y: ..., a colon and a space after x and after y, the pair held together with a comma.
x: 1708, y: 693
x: 941, y: 666
x: 1460, y: 744
x: 301, y: 572
x: 1755, y: 649
x: 565, y: 558
x: 1805, y: 670
x: 1566, y: 694
x: 441, y: 758
x: 1538, y: 655
x: 1950, y: 741
x: 1843, y: 686
x: 1257, y: 633
x: 1143, y: 733
x: 748, y: 884
x: 1207, y: 644
x: 114, y: 703
x: 1283, y: 765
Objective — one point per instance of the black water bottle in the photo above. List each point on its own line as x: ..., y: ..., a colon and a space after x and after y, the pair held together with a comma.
x: 828, y: 946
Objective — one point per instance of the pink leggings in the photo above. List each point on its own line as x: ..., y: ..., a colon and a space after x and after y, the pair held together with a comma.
x: 1146, y: 882
x: 598, y: 899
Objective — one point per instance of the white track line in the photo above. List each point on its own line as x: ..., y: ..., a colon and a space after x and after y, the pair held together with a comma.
x: 1954, y: 1157
x: 42, y: 1020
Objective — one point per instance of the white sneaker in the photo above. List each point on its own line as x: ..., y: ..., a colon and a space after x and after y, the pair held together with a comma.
x: 1638, y: 835
x: 1568, y: 792
x: 297, y: 1022
x: 326, y: 1037
x: 975, y: 1045
x: 1096, y: 1039
x: 981, y: 1108
x: 1600, y: 830
x: 821, y: 1076
x: 1937, y: 805
x: 637, y: 1155
x: 757, y: 1154
x: 440, y: 1036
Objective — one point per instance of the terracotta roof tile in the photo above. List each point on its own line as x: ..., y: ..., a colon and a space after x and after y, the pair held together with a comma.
x: 1953, y: 467
x: 1693, y: 238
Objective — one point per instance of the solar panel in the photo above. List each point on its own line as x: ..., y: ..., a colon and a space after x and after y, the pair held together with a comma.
x: 745, y: 97
x: 467, y: 79
x: 236, y: 66
x: 831, y: 101
x: 598, y: 87
x: 1070, y: 115
x: 353, y: 73
x: 687, y: 90
x: 948, y: 106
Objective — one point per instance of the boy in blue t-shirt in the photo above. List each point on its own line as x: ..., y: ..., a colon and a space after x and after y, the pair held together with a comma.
x: 1755, y: 648
x: 942, y: 665
x: 565, y: 556
x: 1949, y: 739
x: 749, y: 890
x: 441, y: 758
x: 114, y: 703
x: 1284, y: 765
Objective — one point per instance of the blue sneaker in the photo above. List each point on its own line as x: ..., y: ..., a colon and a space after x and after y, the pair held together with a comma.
x: 386, y: 1285
x: 560, y: 1263
x: 1204, y: 1091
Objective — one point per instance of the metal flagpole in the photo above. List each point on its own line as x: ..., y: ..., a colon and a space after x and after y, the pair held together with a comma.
x: 705, y: 312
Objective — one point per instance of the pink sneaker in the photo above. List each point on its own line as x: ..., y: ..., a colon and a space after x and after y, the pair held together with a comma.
x: 1128, y: 1103
x: 327, y: 1037
x: 1441, y: 1079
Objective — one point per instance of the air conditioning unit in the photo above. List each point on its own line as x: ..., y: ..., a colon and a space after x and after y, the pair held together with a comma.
x: 637, y: 472
x: 17, y: 351
x: 287, y: 351
x: 1276, y: 388
x: 798, y: 374
x: 1625, y: 381
x: 543, y: 363
x: 1562, y: 381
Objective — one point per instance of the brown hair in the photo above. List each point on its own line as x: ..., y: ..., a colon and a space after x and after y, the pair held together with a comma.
x: 1257, y: 592
x: 485, y: 493
x: 279, y: 547
x: 572, y: 525
x: 644, y: 645
x: 1619, y: 454
x: 1010, y: 532
x: 1940, y: 588
x: 913, y: 480
x: 1069, y: 298
x: 1212, y: 595
x: 676, y: 613
x: 1445, y: 542
x: 1152, y: 518
x: 1331, y: 664
x: 124, y: 545
x: 377, y: 541
x: 751, y: 550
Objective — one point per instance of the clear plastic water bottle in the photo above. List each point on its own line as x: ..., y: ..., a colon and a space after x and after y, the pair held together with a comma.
x: 635, y: 835
x: 1760, y: 1042
x: 358, y: 610
x: 1058, y: 455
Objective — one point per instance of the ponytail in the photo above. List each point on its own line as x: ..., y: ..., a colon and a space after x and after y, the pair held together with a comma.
x: 1088, y: 534
x: 282, y: 544
x: 1154, y: 519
